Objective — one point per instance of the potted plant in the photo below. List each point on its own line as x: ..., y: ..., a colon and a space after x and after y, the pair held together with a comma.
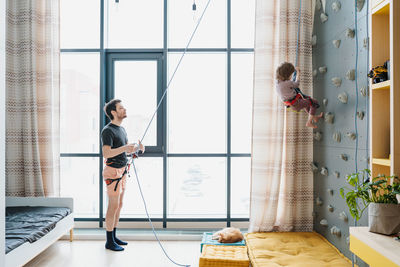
x: 380, y: 195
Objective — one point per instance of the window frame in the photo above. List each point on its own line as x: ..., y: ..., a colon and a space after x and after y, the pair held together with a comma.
x: 111, y: 58
x: 105, y: 55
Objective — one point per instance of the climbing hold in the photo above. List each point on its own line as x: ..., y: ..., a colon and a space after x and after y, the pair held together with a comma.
x: 330, y: 191
x: 324, y: 171
x: 343, y: 97
x: 366, y: 42
x: 325, y: 102
x: 324, y: 222
x: 336, y: 6
x: 360, y: 5
x: 337, y: 174
x: 323, y: 69
x: 336, y: 231
x: 329, y: 117
x: 351, y: 75
x: 350, y: 33
x: 363, y: 91
x: 337, y: 136
x: 344, y: 157
x: 330, y: 208
x: 314, y: 40
x: 314, y: 73
x: 324, y: 17
x: 318, y: 4
x: 314, y: 167
x: 318, y: 201
x: 351, y: 135
x: 343, y: 216
x: 317, y: 136
x: 337, y: 81
x: 360, y: 115
x: 336, y: 43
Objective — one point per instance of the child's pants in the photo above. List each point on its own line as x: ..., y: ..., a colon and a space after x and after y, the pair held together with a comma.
x: 310, y: 105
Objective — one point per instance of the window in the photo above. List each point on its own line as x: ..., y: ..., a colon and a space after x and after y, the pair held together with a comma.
x: 197, y: 104
x: 197, y: 161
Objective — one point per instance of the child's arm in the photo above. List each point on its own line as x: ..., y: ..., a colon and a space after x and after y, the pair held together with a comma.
x: 297, y: 74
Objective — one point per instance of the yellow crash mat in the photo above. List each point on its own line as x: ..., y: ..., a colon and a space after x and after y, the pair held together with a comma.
x: 293, y: 249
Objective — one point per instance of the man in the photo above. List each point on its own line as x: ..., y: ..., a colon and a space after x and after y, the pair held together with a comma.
x: 115, y: 150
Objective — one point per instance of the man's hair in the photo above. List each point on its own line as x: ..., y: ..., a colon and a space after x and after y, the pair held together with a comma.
x: 284, y: 71
x: 112, y: 105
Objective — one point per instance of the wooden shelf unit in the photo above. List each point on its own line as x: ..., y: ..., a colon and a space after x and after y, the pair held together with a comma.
x: 382, y: 162
x: 381, y: 86
x: 375, y: 249
x: 385, y: 96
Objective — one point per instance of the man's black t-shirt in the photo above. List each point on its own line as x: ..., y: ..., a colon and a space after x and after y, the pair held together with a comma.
x: 115, y: 136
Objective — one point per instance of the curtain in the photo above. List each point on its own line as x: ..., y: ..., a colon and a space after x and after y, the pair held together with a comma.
x: 282, y: 146
x: 32, y: 98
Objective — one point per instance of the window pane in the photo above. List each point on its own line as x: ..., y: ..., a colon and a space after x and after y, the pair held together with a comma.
x: 150, y: 173
x: 243, y: 23
x: 182, y: 22
x: 79, y: 179
x: 197, y: 104
x: 80, y: 24
x: 242, y: 102
x: 197, y: 187
x: 135, y: 24
x: 240, y: 187
x: 79, y: 129
x: 136, y: 85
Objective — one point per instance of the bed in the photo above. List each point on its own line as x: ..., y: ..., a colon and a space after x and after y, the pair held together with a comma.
x: 57, y: 213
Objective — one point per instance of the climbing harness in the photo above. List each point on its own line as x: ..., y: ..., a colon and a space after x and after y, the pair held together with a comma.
x: 135, y: 155
x: 299, y: 95
x: 109, y: 181
x: 292, y: 101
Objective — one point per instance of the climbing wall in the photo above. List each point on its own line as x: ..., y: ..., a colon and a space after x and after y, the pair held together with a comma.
x: 334, y: 59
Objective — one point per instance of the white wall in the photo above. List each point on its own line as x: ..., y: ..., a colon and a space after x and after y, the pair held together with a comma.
x: 2, y: 127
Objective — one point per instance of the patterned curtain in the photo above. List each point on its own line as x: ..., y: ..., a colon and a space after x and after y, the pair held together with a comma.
x: 282, y: 147
x: 32, y: 98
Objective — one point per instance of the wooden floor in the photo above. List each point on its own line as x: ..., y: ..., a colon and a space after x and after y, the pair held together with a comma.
x: 138, y: 253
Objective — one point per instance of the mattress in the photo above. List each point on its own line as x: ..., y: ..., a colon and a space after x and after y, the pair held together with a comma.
x: 293, y: 249
x: 28, y: 224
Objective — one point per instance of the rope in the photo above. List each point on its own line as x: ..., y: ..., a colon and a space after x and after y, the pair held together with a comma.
x: 145, y: 132
x: 176, y: 68
x: 353, y: 259
x: 298, y: 41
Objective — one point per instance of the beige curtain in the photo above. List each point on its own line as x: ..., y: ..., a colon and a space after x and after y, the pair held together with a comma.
x: 282, y: 146
x: 32, y: 98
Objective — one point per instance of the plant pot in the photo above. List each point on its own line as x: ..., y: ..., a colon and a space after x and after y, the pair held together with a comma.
x: 384, y: 218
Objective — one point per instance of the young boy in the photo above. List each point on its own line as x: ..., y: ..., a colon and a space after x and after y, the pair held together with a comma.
x: 286, y: 89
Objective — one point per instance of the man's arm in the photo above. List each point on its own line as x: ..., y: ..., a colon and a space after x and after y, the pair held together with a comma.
x: 109, y: 152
